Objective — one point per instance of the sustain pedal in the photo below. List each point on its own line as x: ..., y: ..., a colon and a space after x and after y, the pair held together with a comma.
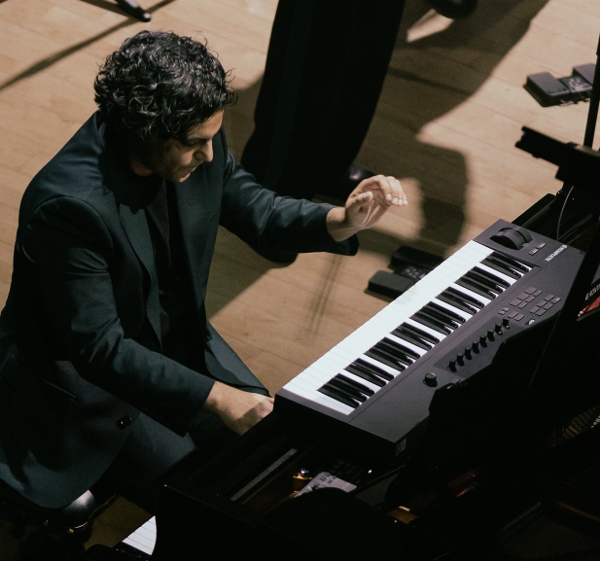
x: 409, y: 266
x: 389, y: 284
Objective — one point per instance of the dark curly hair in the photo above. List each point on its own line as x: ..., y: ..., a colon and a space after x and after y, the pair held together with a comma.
x: 158, y: 84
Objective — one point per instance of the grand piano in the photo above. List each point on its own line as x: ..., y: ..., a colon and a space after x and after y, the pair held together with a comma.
x: 460, y: 422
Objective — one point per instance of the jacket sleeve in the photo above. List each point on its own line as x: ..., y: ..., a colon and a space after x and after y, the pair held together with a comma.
x: 267, y: 221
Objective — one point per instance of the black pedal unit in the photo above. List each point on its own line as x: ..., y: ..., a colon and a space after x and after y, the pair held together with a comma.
x: 409, y: 266
x: 410, y: 255
x: 548, y: 90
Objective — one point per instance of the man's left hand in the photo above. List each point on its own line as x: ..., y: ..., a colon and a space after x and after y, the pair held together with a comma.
x: 365, y: 206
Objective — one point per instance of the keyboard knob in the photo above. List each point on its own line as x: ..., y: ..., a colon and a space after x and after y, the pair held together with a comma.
x: 460, y: 358
x: 498, y: 328
x: 506, y: 323
x: 490, y: 335
x: 468, y: 353
x: 452, y: 365
x: 483, y: 341
x: 431, y: 379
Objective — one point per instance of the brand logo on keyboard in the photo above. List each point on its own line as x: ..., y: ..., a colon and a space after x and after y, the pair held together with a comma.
x: 553, y: 255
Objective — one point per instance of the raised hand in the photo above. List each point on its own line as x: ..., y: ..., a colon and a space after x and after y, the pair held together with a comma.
x: 365, y: 206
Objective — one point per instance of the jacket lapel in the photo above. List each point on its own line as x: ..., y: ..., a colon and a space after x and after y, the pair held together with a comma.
x: 138, y: 234
x: 198, y: 213
x: 131, y: 198
x: 192, y: 215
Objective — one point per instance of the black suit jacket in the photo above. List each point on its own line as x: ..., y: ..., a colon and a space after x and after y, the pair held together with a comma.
x: 80, y: 352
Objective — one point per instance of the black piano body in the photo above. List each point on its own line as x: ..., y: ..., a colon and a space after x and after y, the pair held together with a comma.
x: 542, y: 500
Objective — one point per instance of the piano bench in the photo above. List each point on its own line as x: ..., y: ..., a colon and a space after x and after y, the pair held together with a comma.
x: 46, y: 533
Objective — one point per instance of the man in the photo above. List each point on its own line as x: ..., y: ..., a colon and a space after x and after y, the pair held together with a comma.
x: 110, y: 373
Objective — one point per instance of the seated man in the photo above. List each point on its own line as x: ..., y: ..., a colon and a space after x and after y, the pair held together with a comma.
x: 110, y: 373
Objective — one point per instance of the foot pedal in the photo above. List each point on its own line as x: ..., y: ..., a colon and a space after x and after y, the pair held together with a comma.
x: 548, y: 90
x: 406, y: 255
x: 389, y: 284
x: 409, y: 266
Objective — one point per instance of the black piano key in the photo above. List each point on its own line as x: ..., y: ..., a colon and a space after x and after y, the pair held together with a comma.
x: 467, y: 298
x: 502, y: 267
x: 391, y: 353
x: 428, y: 321
x: 492, y: 277
x: 510, y: 261
x: 353, y: 385
x: 369, y: 372
x: 400, y: 348
x: 408, y: 335
x: 338, y: 395
x: 426, y: 336
x: 394, y: 353
x: 346, y: 390
x: 475, y: 287
x: 359, y: 362
x: 442, y: 317
x: 385, y: 357
x: 495, y: 261
x: 457, y: 302
x: 452, y: 315
x: 482, y: 281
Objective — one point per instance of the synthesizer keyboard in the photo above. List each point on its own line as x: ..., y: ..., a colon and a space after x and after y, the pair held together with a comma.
x: 374, y: 388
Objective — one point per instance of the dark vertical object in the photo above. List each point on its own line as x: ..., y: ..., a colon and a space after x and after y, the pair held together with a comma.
x: 132, y: 8
x: 548, y: 381
x: 590, y: 127
x: 326, y: 64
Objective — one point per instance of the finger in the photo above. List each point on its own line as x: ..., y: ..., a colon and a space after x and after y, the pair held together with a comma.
x: 386, y: 188
x: 399, y: 198
x: 359, y: 200
x: 394, y: 192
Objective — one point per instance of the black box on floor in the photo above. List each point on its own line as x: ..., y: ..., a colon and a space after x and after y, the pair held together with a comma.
x: 389, y: 284
x: 406, y: 254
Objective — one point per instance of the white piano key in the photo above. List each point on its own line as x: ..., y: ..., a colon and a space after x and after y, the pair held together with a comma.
x: 144, y: 538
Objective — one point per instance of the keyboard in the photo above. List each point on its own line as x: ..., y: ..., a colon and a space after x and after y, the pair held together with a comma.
x: 378, y: 382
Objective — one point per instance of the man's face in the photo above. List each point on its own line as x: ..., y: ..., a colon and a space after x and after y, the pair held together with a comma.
x: 174, y: 160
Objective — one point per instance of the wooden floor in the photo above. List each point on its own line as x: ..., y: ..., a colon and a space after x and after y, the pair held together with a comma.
x: 450, y: 113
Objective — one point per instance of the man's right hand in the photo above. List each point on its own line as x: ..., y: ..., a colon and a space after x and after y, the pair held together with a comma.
x: 239, y: 410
